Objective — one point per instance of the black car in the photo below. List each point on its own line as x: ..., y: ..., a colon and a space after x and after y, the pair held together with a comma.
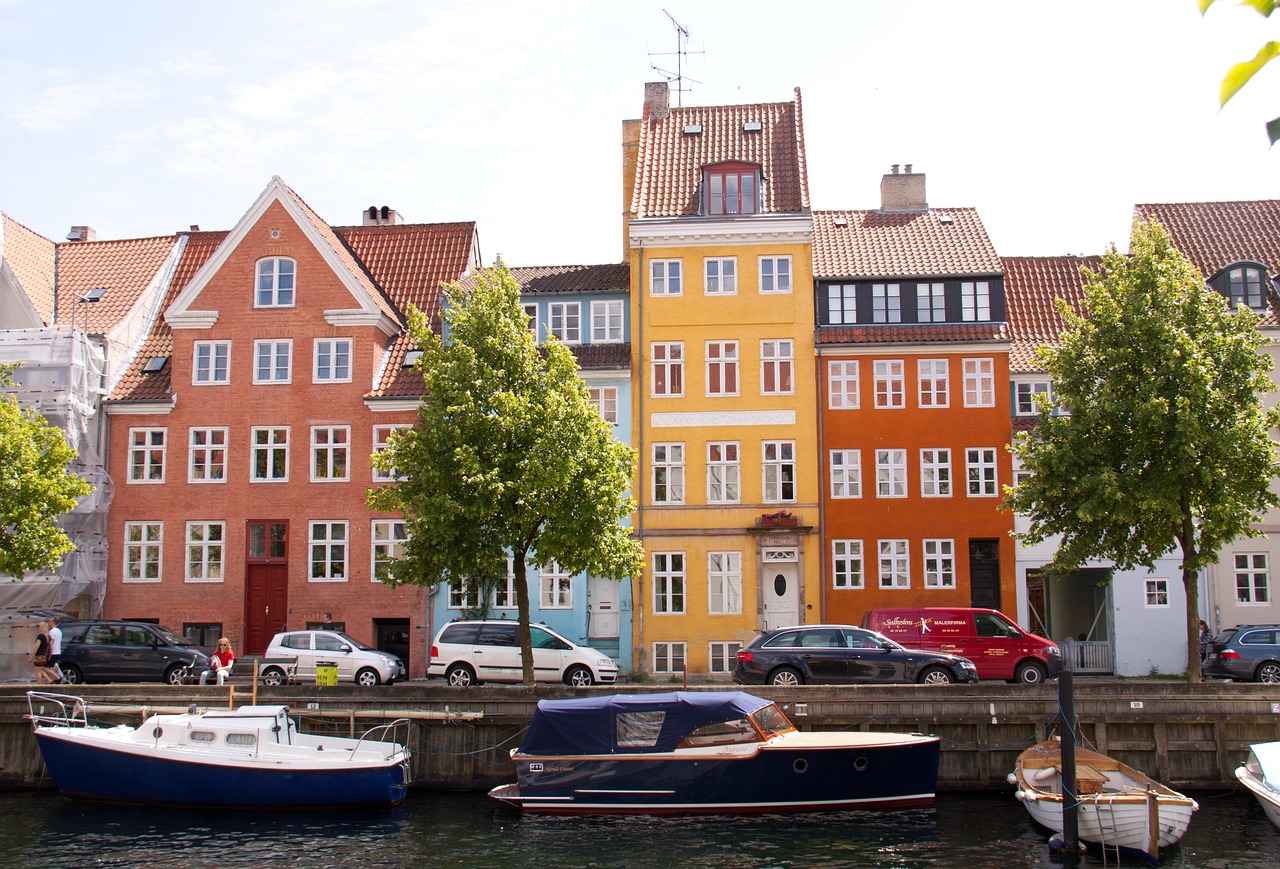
x: 1248, y: 653
x: 116, y: 651
x: 841, y: 655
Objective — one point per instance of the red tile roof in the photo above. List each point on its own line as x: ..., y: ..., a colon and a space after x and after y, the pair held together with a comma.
x: 948, y: 242
x: 948, y: 333
x: 1213, y: 235
x: 30, y: 257
x: 550, y: 280
x: 1031, y: 287
x: 124, y: 268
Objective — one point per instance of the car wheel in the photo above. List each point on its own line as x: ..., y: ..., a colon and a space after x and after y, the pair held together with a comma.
x: 176, y: 674
x: 935, y: 676
x: 579, y: 677
x: 72, y: 674
x: 460, y: 675
x: 1029, y: 673
x: 368, y: 677
x: 273, y: 676
x: 786, y: 677
x: 1268, y: 672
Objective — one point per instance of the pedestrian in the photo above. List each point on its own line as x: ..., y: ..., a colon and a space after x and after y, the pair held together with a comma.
x: 1205, y: 639
x: 55, y: 648
x: 328, y: 623
x: 39, y: 656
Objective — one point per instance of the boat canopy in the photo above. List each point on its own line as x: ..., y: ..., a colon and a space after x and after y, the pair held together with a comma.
x: 1268, y: 755
x: 630, y: 723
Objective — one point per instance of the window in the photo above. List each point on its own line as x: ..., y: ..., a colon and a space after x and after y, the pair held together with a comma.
x: 1244, y: 287
x: 664, y: 277
x: 723, y: 473
x: 1253, y: 578
x: 275, y: 283
x: 668, y: 582
x: 463, y: 595
x: 668, y: 657
x: 777, y: 358
x: 886, y: 303
x: 668, y: 473
x: 779, y: 470
x: 846, y: 564
x: 731, y: 189
x: 979, y: 383
x: 932, y: 376
x: 846, y: 473
x: 330, y: 445
x: 890, y: 383
x: 842, y: 304
x: 212, y: 363
x: 775, y: 274
x: 722, y: 368
x: 895, y: 564
x: 723, y: 656
x: 842, y: 384
x: 1026, y: 397
x: 939, y: 564
x: 563, y: 321
x: 531, y: 311
x: 146, y: 455
x: 975, y: 301
x: 935, y: 473
x: 668, y: 369
x: 504, y: 595
x: 389, y: 538
x: 981, y: 465
x: 1157, y: 593
x: 557, y: 587
x: 204, y: 551
x: 270, y: 455
x: 143, y: 547
x: 328, y: 543
x: 272, y: 361
x: 605, y: 400
x: 203, y: 633
x: 931, y: 303
x: 382, y: 441
x: 724, y: 583
x: 333, y: 360
x: 721, y: 276
x: 891, y: 473
x: 208, y: 456
x: 606, y: 321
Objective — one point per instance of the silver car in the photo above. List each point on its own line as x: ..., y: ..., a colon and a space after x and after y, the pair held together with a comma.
x: 355, y: 661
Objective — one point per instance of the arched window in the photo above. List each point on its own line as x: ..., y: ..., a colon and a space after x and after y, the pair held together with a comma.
x: 1244, y: 284
x: 275, y: 285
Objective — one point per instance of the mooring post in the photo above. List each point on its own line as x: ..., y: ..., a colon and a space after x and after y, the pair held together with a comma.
x: 1070, y: 801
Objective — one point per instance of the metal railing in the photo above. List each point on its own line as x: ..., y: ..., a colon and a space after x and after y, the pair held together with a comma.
x: 1088, y: 656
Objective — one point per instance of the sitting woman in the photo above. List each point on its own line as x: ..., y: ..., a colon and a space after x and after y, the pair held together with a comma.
x: 220, y: 663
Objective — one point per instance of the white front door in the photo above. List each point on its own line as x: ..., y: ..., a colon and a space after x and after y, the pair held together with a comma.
x: 781, y: 595
x: 603, y: 599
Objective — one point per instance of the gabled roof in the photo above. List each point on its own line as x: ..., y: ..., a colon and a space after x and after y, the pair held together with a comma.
x: 124, y: 268
x: 670, y: 161
x: 1032, y: 285
x: 560, y: 280
x: 29, y: 256
x: 939, y: 242
x: 1213, y: 235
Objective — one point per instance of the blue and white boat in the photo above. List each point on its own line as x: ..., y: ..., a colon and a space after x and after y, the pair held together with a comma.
x: 715, y: 752
x: 249, y: 757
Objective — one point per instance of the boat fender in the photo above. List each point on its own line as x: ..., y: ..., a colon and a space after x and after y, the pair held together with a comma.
x: 1011, y: 778
x: 1024, y: 796
x: 1058, y: 844
x: 1044, y: 774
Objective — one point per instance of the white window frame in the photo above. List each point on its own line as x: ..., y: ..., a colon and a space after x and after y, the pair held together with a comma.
x: 204, y: 555
x: 327, y: 367
x: 890, y: 384
x: 721, y: 368
x: 271, y: 352
x: 720, y: 275
x: 843, y: 384
x: 775, y: 274
x: 980, y: 382
x: 975, y: 301
x: 1155, y: 593
x: 555, y: 587
x: 668, y: 472
x: 504, y: 596
x: 605, y: 400
x: 332, y: 537
x: 388, y: 538
x: 848, y: 570
x: 778, y: 471
x: 1254, y: 568
x: 208, y: 456
x: 724, y: 472
x: 935, y: 472
x: 143, y: 552
x: 211, y: 363
x: 724, y: 583
x: 894, y: 563
x: 981, y: 472
x: 275, y: 294
x: 333, y: 444
x: 931, y: 302
x: 670, y: 583
x: 1024, y: 393
x: 939, y: 562
x: 886, y: 303
x: 147, y: 452
x: 531, y: 311
x: 460, y: 595
x: 777, y: 366
x: 671, y: 365
x: 842, y: 304
x: 666, y: 277
x: 891, y: 473
x: 846, y: 473
x: 564, y: 321
x: 382, y: 441
x: 722, y: 657
x: 670, y: 657
x: 269, y: 451
x: 933, y: 383
x: 607, y: 321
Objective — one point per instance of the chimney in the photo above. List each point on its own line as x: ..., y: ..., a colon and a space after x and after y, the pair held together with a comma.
x: 384, y: 216
x: 657, y: 98
x: 902, y: 192
x: 82, y: 233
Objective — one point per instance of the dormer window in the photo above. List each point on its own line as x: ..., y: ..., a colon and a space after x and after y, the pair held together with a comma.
x: 1243, y: 285
x: 732, y: 188
x: 275, y: 283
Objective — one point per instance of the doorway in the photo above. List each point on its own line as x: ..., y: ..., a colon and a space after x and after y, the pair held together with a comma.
x: 780, y: 591
x: 266, y: 586
x: 984, y: 574
x: 392, y: 635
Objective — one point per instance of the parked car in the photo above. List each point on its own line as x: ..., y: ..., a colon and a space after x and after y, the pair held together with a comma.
x: 998, y: 648
x: 119, y: 651
x: 1250, y: 653
x: 470, y: 652
x: 842, y: 654
x: 355, y: 661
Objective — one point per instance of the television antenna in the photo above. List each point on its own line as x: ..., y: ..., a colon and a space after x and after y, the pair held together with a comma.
x: 681, y: 52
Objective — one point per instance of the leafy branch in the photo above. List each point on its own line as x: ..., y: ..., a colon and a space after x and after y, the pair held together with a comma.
x: 1240, y: 74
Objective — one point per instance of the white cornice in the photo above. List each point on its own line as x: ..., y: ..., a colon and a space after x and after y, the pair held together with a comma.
x: 191, y: 319
x: 347, y: 317
x: 139, y: 408
x: 700, y: 231
x: 706, y: 419
x: 392, y: 405
x: 932, y: 348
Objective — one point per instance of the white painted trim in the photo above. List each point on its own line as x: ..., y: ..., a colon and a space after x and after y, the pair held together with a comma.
x: 659, y: 232
x: 392, y: 405
x: 887, y: 349
x: 722, y: 418
x: 140, y: 408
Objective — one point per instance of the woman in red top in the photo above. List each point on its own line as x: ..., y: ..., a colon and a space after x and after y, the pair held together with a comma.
x: 220, y: 662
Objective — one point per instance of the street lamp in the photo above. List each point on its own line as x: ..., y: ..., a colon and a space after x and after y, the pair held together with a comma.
x: 87, y: 298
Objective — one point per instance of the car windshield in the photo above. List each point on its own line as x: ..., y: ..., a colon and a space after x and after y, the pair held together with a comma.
x: 884, y: 642
x: 356, y: 643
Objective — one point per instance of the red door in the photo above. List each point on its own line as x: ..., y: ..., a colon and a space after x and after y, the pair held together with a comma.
x: 266, y: 596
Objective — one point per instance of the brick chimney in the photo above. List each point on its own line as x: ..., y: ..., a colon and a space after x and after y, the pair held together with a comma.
x: 82, y: 233
x: 657, y: 98
x: 902, y: 191
x: 384, y: 216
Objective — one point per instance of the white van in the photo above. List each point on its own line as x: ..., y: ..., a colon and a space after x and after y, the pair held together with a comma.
x: 470, y: 652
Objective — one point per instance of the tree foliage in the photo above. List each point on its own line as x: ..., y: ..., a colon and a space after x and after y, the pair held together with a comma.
x: 508, y: 456
x: 1240, y: 74
x: 1164, y: 441
x: 36, y: 487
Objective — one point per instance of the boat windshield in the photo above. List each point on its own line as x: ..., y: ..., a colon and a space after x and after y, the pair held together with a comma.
x: 721, y: 733
x: 771, y: 721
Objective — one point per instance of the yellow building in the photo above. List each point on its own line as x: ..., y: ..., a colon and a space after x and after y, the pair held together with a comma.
x: 719, y: 239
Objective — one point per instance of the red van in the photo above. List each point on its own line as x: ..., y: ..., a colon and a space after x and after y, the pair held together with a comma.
x: 999, y: 648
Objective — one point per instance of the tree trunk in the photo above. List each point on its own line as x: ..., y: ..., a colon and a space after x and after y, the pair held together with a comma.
x: 520, y: 572
x: 1191, y: 585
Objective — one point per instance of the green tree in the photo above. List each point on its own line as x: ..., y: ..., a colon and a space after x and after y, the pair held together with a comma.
x: 508, y: 456
x: 1239, y: 74
x: 36, y: 486
x: 1166, y: 441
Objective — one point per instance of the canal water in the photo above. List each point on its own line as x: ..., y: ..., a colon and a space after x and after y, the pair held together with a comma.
x: 963, y: 831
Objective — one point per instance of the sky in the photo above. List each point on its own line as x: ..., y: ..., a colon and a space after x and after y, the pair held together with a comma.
x: 1052, y: 119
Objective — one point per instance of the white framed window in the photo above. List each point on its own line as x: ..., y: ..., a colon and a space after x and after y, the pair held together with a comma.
x: 980, y: 465
x: 205, y: 542
x: 333, y: 360
x: 564, y: 321
x: 273, y: 361
x: 842, y: 304
x: 531, y: 311
x: 668, y: 582
x: 668, y: 473
x: 1025, y: 397
x: 146, y: 455
x: 328, y: 542
x: 389, y: 537
x: 886, y: 303
x: 275, y: 285
x: 143, y: 551
x: 722, y: 368
x: 895, y: 564
x: 842, y: 384
x: 606, y: 321
x: 270, y: 459
x: 1253, y: 578
x: 605, y: 400
x: 720, y: 275
x: 669, y: 657
x: 890, y: 383
x: 723, y: 656
x: 382, y: 441
x: 846, y: 564
x: 975, y: 301
x: 504, y: 595
x: 463, y: 595
x: 668, y: 369
x: 724, y: 473
x: 979, y: 383
x: 777, y: 364
x: 891, y: 473
x: 665, y: 277
x: 846, y: 473
x: 935, y: 472
x: 931, y: 303
x: 775, y: 274
x: 556, y: 587
x: 207, y: 455
x: 932, y: 375
x: 330, y: 453
x: 724, y: 583
x: 779, y: 471
x: 939, y: 563
x: 211, y: 363
x: 1157, y: 593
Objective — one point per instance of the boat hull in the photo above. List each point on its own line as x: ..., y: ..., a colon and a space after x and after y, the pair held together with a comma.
x: 1267, y: 798
x: 1116, y: 821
